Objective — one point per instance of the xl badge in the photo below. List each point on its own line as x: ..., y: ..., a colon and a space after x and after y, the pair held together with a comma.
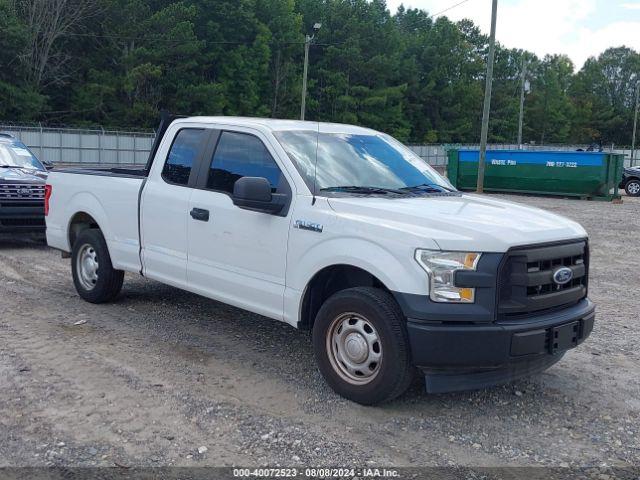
x: 305, y: 225
x: 562, y: 276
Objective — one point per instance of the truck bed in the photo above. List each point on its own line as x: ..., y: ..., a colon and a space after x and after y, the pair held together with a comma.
x: 110, y: 196
x: 107, y: 172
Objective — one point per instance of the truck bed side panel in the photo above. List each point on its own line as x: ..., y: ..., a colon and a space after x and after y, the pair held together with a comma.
x: 111, y: 200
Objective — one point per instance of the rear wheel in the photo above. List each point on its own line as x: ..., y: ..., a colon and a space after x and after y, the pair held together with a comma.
x: 94, y: 277
x: 633, y: 187
x: 361, y: 345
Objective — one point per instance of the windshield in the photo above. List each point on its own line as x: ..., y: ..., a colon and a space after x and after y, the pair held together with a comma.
x: 16, y: 154
x: 371, y: 161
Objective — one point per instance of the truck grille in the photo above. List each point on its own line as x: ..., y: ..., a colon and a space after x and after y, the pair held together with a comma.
x: 16, y: 192
x: 526, y: 283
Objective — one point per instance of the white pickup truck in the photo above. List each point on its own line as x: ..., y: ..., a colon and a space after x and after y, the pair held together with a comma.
x: 342, y: 231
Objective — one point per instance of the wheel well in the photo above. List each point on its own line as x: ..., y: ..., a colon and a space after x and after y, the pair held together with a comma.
x: 328, y: 281
x: 80, y: 221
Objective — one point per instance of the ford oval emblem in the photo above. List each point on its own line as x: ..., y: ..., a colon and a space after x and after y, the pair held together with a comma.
x: 562, y: 276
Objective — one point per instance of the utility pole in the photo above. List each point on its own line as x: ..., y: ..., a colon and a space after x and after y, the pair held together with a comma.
x: 307, y: 43
x: 487, y: 99
x: 522, y: 92
x: 635, y: 124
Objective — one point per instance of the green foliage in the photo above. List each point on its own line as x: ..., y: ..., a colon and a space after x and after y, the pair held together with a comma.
x: 18, y: 100
x: 418, y: 78
x: 603, y: 94
x: 550, y: 110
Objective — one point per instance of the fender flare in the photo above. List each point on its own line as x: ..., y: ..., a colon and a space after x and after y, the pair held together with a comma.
x: 396, y: 274
x: 90, y: 206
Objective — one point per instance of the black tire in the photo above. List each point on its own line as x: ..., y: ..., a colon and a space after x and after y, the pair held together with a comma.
x: 632, y: 187
x: 394, y: 373
x: 108, y: 282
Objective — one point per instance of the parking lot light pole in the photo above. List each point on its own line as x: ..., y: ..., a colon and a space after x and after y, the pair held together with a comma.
x: 523, y: 90
x: 487, y: 99
x: 307, y: 43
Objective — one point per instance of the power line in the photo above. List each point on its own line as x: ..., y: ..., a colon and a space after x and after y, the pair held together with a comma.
x: 156, y: 38
x: 450, y: 8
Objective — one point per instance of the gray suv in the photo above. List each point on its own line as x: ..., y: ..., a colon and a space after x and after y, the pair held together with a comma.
x: 22, y: 187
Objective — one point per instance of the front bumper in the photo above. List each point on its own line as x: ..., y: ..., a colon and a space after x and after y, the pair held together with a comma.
x: 460, y: 357
x: 22, y: 219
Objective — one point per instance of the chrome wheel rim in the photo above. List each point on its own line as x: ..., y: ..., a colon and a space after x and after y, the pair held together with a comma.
x: 87, y: 266
x: 354, y: 348
x: 633, y: 188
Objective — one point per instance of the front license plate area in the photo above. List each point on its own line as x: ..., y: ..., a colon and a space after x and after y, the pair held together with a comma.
x: 564, y: 337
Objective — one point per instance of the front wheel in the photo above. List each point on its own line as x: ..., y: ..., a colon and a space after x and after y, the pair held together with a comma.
x: 633, y: 188
x: 361, y: 345
x: 94, y: 277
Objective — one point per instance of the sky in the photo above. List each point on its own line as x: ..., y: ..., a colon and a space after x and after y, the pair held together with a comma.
x: 577, y: 28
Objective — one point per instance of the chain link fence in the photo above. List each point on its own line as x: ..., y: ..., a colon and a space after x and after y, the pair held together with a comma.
x: 84, y: 146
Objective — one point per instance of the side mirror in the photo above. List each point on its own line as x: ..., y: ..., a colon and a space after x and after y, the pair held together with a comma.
x: 255, y: 189
x: 254, y: 193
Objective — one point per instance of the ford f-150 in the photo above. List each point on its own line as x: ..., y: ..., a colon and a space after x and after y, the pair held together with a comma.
x: 342, y: 231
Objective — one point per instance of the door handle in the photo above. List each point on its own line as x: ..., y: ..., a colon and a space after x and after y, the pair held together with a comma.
x: 200, y: 214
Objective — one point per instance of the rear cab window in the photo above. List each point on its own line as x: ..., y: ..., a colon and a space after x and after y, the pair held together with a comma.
x: 183, y: 153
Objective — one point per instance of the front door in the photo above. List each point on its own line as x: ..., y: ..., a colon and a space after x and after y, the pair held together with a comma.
x: 238, y: 256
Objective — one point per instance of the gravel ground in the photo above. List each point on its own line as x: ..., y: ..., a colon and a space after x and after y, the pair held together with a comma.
x: 162, y: 377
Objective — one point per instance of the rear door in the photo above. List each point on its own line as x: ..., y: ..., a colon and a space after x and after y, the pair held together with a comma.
x: 165, y: 207
x: 238, y: 256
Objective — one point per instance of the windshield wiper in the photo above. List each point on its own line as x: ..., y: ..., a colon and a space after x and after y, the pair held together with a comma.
x: 432, y: 186
x: 359, y: 189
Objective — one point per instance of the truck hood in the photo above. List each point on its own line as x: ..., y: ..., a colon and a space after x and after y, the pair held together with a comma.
x: 22, y: 175
x: 466, y: 222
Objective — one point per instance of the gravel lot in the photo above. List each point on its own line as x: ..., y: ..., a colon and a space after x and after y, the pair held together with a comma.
x: 163, y: 377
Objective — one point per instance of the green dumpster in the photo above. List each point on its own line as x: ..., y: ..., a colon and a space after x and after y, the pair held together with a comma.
x: 590, y: 175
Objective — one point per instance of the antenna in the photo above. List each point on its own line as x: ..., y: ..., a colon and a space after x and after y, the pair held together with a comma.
x: 315, y: 166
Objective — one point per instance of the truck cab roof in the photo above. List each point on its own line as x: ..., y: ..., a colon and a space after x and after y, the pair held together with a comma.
x: 274, y: 124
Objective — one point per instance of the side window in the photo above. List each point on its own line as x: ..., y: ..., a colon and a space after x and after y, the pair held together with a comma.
x: 181, y: 156
x: 241, y: 155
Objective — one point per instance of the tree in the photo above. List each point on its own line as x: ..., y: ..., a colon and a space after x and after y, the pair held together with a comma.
x: 286, y: 40
x: 47, y: 22
x: 19, y: 100
x: 549, y: 110
x: 116, y: 63
x: 604, y: 94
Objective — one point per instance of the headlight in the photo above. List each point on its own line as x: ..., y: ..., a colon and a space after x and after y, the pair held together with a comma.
x: 441, y: 267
